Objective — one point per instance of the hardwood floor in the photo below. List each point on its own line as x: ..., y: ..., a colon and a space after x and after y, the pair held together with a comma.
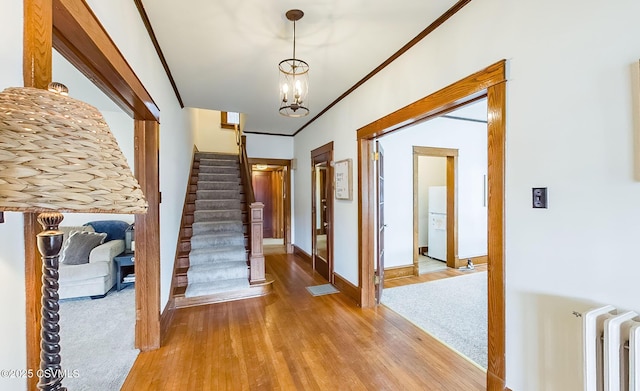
x: 290, y: 340
x: 432, y: 276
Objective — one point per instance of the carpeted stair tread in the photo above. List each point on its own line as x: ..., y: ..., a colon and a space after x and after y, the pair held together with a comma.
x: 218, y: 177
x: 217, y: 239
x: 217, y: 194
x: 206, y: 288
x: 214, y: 159
x: 214, y: 215
x: 218, y: 204
x: 218, y: 257
x: 217, y: 254
x: 204, y: 186
x: 218, y: 163
x: 213, y: 272
x: 219, y: 170
x: 214, y: 155
x: 204, y: 227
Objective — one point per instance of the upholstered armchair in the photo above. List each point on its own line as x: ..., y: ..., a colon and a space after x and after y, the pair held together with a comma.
x: 86, y: 264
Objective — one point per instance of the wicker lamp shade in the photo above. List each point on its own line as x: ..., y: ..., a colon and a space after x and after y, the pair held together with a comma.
x: 57, y: 153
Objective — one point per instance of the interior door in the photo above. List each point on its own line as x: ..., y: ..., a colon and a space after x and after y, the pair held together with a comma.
x: 379, y: 274
x: 263, y: 193
x: 322, y: 216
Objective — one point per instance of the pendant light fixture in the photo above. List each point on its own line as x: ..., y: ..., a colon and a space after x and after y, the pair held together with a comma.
x: 294, y: 78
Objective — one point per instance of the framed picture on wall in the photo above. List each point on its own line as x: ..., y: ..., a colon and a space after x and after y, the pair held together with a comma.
x: 343, y: 179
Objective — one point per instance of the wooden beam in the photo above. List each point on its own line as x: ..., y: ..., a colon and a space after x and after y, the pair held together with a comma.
x: 83, y: 41
x: 366, y: 221
x: 37, y: 34
x: 452, y: 211
x: 447, y: 99
x: 496, y: 107
x: 147, y: 237
x: 36, y: 71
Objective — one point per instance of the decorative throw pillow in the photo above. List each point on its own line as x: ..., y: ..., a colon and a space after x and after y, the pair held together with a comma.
x: 75, y: 251
x: 115, y: 229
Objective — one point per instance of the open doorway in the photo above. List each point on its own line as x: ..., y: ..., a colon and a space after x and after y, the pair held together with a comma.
x: 72, y: 36
x: 430, y: 215
x: 448, y: 218
x: 271, y: 180
x: 490, y: 83
x: 322, y: 210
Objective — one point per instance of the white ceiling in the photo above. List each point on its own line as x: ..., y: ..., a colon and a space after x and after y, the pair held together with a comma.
x: 224, y: 54
x: 474, y: 111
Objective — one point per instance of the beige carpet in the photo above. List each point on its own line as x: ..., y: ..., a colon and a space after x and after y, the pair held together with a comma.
x: 454, y: 310
x: 97, y: 340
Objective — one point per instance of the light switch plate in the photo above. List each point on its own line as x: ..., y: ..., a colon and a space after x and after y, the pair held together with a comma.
x: 540, y: 197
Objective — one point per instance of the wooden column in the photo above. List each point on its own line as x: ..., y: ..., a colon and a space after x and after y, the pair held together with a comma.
x: 496, y: 343
x: 36, y: 70
x: 452, y: 214
x: 37, y: 44
x: 366, y: 222
x: 148, y: 237
x: 256, y: 259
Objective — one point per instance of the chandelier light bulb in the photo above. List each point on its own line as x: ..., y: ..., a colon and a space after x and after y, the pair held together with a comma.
x: 298, y: 89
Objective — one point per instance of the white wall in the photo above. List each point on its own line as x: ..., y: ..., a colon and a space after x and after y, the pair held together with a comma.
x: 432, y: 171
x: 123, y: 23
x: 120, y: 124
x: 569, y: 127
x: 470, y: 139
x: 268, y: 146
x: 345, y: 234
x: 209, y: 136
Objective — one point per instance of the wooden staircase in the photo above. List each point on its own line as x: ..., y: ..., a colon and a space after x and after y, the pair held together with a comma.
x: 258, y: 286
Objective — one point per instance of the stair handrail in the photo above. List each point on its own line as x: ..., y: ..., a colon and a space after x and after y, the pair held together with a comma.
x: 256, y: 216
x: 245, y: 171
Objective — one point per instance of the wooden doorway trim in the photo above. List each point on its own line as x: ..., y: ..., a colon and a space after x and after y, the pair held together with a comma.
x: 452, y: 202
x: 73, y: 29
x: 491, y: 83
x: 325, y: 149
x: 287, y: 193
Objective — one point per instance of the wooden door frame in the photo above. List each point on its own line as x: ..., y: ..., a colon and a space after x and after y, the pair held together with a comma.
x: 490, y: 83
x: 72, y: 28
x: 452, y: 202
x: 326, y: 148
x: 287, y: 205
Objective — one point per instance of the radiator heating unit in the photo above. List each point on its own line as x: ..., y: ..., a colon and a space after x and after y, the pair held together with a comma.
x: 611, y: 350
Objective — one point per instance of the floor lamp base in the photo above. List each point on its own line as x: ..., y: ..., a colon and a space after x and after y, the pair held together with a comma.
x: 50, y: 374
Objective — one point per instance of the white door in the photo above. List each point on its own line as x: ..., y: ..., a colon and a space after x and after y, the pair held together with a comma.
x: 438, y: 223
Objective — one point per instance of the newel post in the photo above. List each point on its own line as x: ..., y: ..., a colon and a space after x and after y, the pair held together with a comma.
x: 256, y: 259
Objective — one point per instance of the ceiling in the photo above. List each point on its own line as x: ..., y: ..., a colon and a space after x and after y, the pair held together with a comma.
x: 224, y: 54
